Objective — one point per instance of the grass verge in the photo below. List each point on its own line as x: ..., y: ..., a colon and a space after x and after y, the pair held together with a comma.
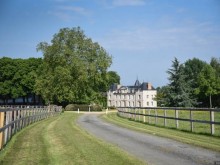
x: 59, y: 140
x: 205, y: 141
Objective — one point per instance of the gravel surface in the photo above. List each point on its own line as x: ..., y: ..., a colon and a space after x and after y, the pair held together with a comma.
x: 154, y: 150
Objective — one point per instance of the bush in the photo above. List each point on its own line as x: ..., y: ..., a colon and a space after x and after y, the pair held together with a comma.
x: 82, y: 107
x: 112, y: 107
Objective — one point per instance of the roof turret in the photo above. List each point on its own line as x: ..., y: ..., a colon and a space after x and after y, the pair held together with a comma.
x: 137, y: 83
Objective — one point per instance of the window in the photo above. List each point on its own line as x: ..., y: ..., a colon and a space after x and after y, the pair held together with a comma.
x: 147, y: 96
x: 139, y: 97
x: 139, y: 104
x: 147, y: 103
x: 152, y: 103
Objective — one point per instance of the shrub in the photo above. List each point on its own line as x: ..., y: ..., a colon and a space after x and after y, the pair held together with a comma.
x: 112, y: 107
x: 82, y: 107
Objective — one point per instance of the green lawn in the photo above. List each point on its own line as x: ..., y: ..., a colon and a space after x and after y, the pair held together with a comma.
x: 183, y: 125
x: 206, y: 141
x: 59, y: 140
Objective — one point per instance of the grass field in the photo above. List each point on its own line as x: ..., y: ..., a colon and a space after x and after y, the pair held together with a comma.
x: 59, y: 140
x: 206, y: 141
x: 201, y: 128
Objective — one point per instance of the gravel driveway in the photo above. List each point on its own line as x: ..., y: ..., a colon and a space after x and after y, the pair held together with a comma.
x: 152, y: 149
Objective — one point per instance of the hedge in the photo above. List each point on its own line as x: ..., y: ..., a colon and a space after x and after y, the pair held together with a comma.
x: 82, y: 107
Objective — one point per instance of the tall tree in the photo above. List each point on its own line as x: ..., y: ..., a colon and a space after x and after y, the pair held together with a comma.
x: 162, y: 96
x: 113, y: 77
x: 209, y: 83
x: 75, y: 68
x: 192, y: 69
x: 215, y: 63
x: 179, y: 95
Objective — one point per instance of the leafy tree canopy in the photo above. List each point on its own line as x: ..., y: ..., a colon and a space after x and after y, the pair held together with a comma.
x: 17, y: 77
x: 74, y: 67
x: 209, y: 83
x: 113, y: 77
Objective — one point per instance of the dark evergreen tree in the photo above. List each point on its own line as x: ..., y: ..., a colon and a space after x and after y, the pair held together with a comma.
x: 179, y: 89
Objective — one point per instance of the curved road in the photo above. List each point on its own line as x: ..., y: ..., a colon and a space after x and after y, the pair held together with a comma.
x: 152, y: 149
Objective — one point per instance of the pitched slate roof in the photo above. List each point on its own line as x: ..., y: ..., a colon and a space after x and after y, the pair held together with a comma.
x: 136, y: 86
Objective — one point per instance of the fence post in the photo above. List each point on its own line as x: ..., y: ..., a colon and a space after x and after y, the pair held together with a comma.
x: 6, y: 130
x: 212, y: 119
x: 155, y: 110
x: 144, y: 115
x: 134, y: 114
x: 165, y: 120
x: 2, y: 117
x: 176, y: 116
x: 139, y: 116
x: 149, y: 116
x: 191, y: 122
x: 129, y: 113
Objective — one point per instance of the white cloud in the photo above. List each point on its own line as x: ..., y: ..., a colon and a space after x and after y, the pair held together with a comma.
x: 187, y: 38
x: 61, y: 15
x: 181, y: 10
x: 75, y: 9
x: 68, y: 13
x: 128, y: 2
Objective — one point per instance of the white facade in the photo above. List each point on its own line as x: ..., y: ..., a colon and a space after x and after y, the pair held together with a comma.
x: 139, y: 95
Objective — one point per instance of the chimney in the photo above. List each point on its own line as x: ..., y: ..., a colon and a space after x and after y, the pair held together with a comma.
x: 149, y: 86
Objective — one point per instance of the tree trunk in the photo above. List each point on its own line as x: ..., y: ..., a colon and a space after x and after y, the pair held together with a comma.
x: 23, y: 100
x: 210, y: 100
x: 34, y: 99
x: 27, y: 101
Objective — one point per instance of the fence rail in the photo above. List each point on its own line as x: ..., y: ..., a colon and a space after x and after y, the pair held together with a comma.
x: 190, y: 116
x: 14, y: 118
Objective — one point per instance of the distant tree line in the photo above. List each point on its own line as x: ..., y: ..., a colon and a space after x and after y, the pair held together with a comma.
x: 17, y: 78
x: 74, y: 69
x: 194, y: 83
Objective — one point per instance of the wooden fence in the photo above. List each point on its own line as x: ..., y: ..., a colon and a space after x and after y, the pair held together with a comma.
x: 180, y: 118
x: 14, y: 118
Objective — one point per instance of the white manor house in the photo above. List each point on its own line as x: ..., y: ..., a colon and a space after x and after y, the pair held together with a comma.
x: 139, y: 95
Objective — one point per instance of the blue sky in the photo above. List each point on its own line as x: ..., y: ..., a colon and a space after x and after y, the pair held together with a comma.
x: 143, y: 36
